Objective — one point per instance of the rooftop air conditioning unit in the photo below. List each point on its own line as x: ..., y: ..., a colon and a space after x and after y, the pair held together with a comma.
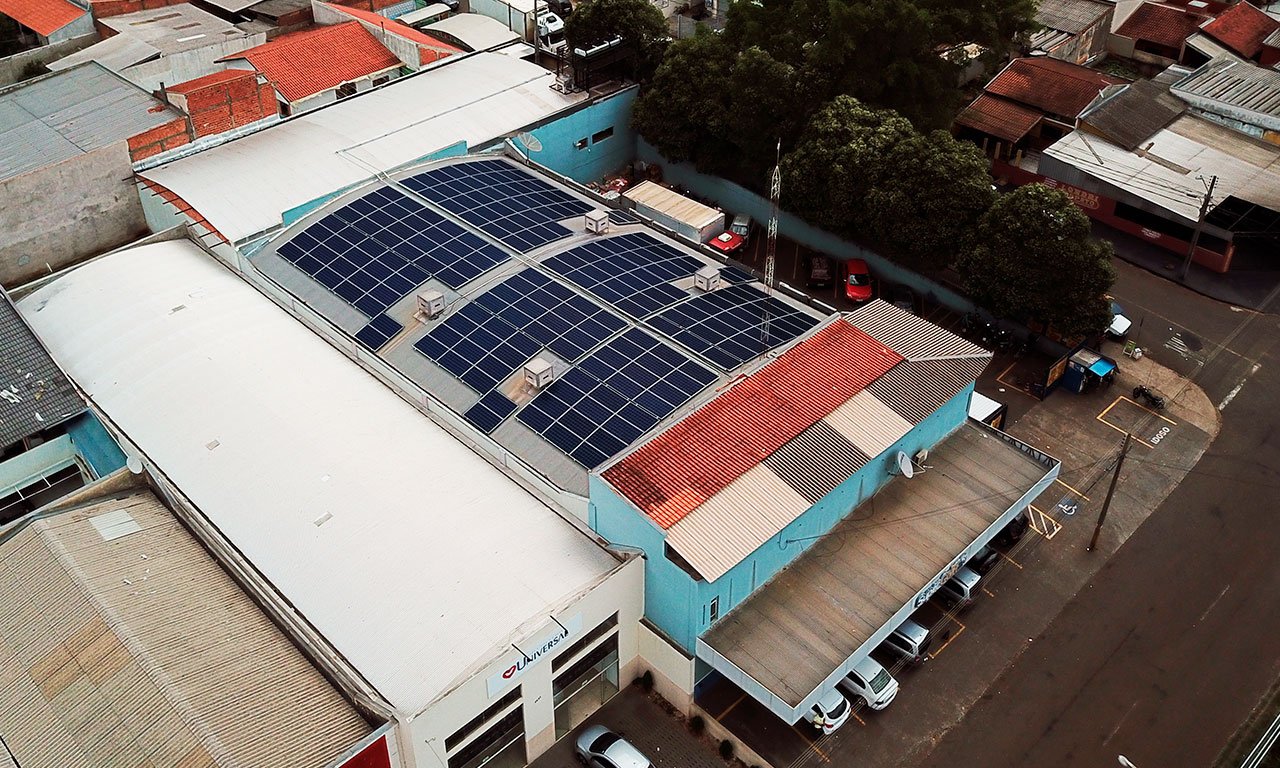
x: 538, y: 373
x: 431, y: 304
x: 707, y: 278
x: 597, y: 222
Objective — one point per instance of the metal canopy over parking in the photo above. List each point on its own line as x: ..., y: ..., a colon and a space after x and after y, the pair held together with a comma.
x: 800, y: 633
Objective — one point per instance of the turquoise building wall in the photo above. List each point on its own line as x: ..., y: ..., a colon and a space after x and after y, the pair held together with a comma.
x: 680, y: 605
x: 98, y: 449
x: 576, y: 145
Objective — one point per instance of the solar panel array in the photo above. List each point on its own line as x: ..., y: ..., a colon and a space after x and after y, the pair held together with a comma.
x: 633, y: 272
x: 378, y: 332
x: 619, y: 216
x: 736, y: 275
x: 614, y: 396
x: 489, y: 412
x: 500, y: 330
x: 375, y: 250
x: 501, y: 200
x: 725, y: 326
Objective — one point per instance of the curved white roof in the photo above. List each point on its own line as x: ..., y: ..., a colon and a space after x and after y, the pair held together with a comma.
x: 432, y: 561
x: 242, y: 187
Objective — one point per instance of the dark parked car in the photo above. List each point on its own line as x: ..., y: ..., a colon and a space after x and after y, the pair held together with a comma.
x: 819, y: 271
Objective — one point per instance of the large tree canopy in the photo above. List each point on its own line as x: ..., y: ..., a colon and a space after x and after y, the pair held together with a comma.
x: 638, y: 22
x: 683, y: 111
x: 1033, y: 258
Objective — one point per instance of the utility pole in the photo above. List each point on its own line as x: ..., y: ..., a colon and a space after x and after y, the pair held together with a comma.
x: 1195, y: 238
x: 1102, y: 516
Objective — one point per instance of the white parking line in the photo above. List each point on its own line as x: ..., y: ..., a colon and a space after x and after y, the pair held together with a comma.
x: 1232, y: 394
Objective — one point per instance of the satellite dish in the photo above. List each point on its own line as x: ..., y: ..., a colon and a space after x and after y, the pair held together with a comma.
x: 905, y: 466
x: 529, y: 141
x: 134, y: 464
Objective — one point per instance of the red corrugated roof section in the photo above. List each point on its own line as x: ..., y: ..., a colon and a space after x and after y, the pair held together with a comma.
x: 1159, y: 24
x: 998, y: 117
x: 43, y: 16
x: 1052, y: 86
x: 670, y: 476
x: 1242, y: 28
x: 303, y: 64
x: 398, y: 29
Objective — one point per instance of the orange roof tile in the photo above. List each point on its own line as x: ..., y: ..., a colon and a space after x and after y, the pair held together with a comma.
x: 671, y: 475
x: 395, y: 28
x: 43, y: 16
x: 1242, y: 28
x: 305, y: 63
x: 1051, y: 86
x: 1160, y: 24
x: 224, y: 76
x: 1000, y: 118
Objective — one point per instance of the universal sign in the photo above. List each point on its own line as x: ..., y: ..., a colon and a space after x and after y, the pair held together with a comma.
x: 531, y: 652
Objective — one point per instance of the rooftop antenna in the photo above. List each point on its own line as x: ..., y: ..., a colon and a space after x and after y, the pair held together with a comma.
x: 771, y: 247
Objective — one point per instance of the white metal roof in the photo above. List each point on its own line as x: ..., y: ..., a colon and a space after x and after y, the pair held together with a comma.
x: 242, y: 187
x: 479, y: 33
x: 416, y: 558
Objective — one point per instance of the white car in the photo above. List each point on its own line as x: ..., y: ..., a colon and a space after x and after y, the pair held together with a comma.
x: 600, y: 747
x: 1120, y: 323
x: 831, y: 712
x: 872, y: 683
x: 549, y: 23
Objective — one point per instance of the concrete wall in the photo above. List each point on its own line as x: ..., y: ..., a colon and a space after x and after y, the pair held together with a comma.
x: 78, y: 28
x: 64, y: 213
x: 599, y: 155
x: 736, y: 199
x: 188, y: 65
x: 679, y: 605
x: 11, y: 67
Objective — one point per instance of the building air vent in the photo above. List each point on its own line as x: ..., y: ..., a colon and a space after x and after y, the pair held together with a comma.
x: 538, y: 373
x: 597, y: 222
x: 431, y: 304
x: 707, y: 278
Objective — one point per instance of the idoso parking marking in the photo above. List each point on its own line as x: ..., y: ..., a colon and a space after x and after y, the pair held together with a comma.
x: 1126, y: 416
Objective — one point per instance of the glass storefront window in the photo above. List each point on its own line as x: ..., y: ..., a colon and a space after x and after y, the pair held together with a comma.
x: 501, y: 746
x: 581, y: 689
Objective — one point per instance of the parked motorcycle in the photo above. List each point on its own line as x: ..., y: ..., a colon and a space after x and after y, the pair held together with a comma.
x: 1144, y: 393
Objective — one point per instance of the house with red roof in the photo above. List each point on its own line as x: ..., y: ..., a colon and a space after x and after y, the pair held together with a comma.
x: 1155, y: 33
x: 1242, y: 30
x: 1030, y: 104
x: 319, y: 66
x: 414, y: 48
x: 48, y: 21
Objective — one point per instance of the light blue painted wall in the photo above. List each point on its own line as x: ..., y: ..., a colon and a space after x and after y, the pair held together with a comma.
x: 680, y: 605
x: 559, y: 139
x: 736, y: 199
x: 95, y: 445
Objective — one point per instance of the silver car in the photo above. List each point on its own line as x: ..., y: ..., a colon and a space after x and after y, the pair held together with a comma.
x: 600, y: 747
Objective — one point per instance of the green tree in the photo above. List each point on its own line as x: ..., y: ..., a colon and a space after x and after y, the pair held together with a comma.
x: 929, y: 200
x: 840, y: 158
x: 638, y: 22
x: 684, y: 112
x: 762, y: 110
x: 1033, y: 258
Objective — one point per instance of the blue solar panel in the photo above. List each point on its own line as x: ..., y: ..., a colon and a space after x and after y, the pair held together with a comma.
x: 503, y: 328
x: 725, y: 325
x: 501, y: 200
x: 378, y: 248
x: 632, y: 272
x: 614, y: 396
x: 736, y: 275
x: 490, y: 411
x: 623, y: 217
x: 378, y: 332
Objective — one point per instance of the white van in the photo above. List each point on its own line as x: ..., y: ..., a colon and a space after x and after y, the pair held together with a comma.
x: 910, y: 641
x: 870, y: 682
x: 961, y: 589
x: 831, y: 712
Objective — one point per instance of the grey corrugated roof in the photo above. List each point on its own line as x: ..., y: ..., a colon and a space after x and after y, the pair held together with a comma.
x: 34, y: 393
x: 1232, y: 83
x: 815, y: 461
x: 58, y: 116
x: 1134, y: 114
x: 1070, y: 15
x: 910, y: 336
x: 115, y: 53
x: 914, y: 389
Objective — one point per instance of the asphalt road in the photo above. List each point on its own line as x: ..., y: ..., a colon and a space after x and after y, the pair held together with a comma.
x: 1165, y: 653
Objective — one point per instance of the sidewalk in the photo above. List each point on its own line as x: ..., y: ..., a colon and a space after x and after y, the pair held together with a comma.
x: 1253, y: 275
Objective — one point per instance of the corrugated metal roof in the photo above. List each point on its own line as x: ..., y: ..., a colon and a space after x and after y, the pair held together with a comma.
x: 1072, y: 16
x: 700, y: 455
x: 817, y: 460
x: 148, y: 641
x: 1235, y: 83
x: 999, y: 117
x: 175, y: 28
x: 672, y: 203
x: 37, y: 393
x: 911, y: 336
x: 63, y: 114
x: 479, y: 33
x: 868, y: 423
x: 916, y: 388
x: 115, y: 53
x: 1133, y: 114
x: 736, y: 521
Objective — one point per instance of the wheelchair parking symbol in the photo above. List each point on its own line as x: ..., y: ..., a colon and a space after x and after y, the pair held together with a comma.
x: 1068, y: 506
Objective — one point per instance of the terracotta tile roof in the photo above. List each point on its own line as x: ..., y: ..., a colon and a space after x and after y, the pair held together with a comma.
x: 1242, y: 28
x: 43, y: 16
x: 1049, y: 85
x: 696, y: 458
x: 396, y: 28
x: 182, y: 207
x: 305, y: 63
x: 224, y: 76
x: 1000, y: 118
x: 1160, y: 24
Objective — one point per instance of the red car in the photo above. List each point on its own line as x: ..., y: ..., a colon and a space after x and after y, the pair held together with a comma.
x: 857, y: 280
x: 727, y: 242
